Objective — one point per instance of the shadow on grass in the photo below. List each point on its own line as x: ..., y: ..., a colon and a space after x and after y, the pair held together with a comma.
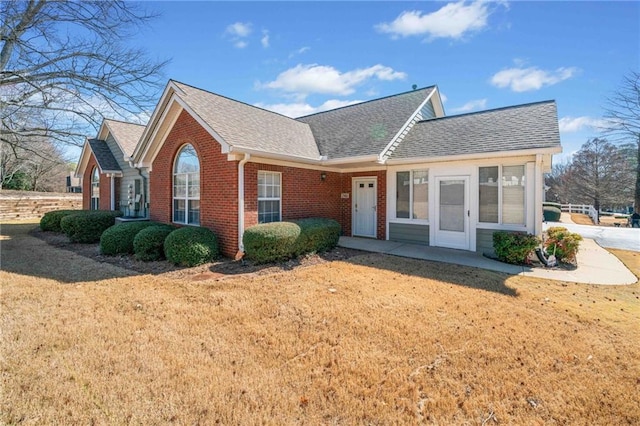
x: 446, y: 273
x: 23, y: 253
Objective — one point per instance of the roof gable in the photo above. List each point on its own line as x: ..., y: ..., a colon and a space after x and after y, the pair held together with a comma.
x: 104, y: 157
x: 125, y: 134
x: 366, y: 128
x: 520, y: 127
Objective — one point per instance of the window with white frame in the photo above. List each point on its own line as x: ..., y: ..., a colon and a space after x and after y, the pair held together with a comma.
x: 502, y: 195
x: 95, y: 189
x: 412, y: 194
x: 186, y: 187
x: 269, y: 196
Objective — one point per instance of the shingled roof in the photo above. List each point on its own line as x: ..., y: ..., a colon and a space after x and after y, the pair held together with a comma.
x: 104, y: 157
x: 126, y: 135
x: 246, y: 126
x: 365, y: 128
x: 529, y: 126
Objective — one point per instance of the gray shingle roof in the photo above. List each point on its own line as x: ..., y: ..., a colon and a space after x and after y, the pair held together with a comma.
x: 245, y: 126
x: 126, y: 134
x: 513, y: 128
x: 106, y: 161
x: 365, y: 128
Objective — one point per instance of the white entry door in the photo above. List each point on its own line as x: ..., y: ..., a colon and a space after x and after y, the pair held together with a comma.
x: 452, y: 212
x: 364, y: 207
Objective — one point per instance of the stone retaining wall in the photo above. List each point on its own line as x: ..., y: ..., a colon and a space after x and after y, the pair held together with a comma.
x: 18, y: 205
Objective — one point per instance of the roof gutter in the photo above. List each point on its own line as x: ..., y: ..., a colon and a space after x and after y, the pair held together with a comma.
x: 462, y: 157
x: 241, y: 164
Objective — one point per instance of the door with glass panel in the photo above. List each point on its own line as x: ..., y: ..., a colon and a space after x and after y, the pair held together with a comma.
x: 452, y: 212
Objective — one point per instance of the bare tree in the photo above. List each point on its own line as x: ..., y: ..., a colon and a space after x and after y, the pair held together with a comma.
x: 599, y: 174
x: 20, y: 169
x: 623, y: 120
x: 65, y: 64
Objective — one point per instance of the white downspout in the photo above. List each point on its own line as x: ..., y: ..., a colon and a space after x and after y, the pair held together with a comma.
x: 241, y: 200
x: 113, y: 192
x: 537, y: 197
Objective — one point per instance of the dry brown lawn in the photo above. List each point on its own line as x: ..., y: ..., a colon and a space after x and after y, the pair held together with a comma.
x: 372, y: 340
x: 583, y: 219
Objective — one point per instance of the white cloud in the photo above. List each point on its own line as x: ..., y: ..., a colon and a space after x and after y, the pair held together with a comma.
x: 239, y: 29
x: 299, y: 51
x: 471, y: 106
x: 576, y: 124
x: 532, y: 78
x: 299, y: 109
x: 265, y: 39
x: 314, y: 78
x: 443, y: 97
x: 453, y: 20
x: 240, y: 44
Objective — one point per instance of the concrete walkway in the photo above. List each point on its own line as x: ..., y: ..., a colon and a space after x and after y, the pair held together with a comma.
x: 595, y: 264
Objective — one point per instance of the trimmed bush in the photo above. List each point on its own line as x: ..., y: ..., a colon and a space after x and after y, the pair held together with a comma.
x: 191, y: 246
x: 564, y: 243
x: 551, y: 214
x: 317, y: 235
x: 514, y: 247
x: 88, y: 226
x: 270, y: 242
x: 51, y: 220
x: 118, y: 239
x: 149, y: 242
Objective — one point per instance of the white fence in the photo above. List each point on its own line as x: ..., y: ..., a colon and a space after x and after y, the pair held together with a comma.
x: 581, y: 208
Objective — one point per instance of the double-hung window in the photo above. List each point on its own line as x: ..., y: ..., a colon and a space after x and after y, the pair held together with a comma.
x: 502, y: 195
x: 186, y: 187
x: 269, y: 196
x: 412, y: 194
x: 95, y: 189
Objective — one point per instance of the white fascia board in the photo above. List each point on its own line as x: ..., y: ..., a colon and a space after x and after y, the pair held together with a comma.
x: 150, y: 127
x: 462, y: 157
x: 103, y: 131
x: 84, y: 159
x: 381, y: 156
x: 273, y: 155
x: 349, y: 160
x: 168, y: 115
x: 438, y: 107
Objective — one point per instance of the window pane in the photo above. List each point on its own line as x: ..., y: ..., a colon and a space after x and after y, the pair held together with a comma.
x: 452, y: 205
x: 179, y: 211
x: 513, y: 195
x: 194, y: 185
x: 421, y: 194
x: 402, y: 194
x: 194, y: 212
x: 187, y: 161
x: 180, y: 190
x: 488, y: 194
x: 268, y: 211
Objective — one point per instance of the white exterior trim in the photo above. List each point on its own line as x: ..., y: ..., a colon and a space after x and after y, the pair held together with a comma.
x: 241, y: 164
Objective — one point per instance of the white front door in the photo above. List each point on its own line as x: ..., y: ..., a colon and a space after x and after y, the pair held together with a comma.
x: 452, y: 212
x: 364, y: 207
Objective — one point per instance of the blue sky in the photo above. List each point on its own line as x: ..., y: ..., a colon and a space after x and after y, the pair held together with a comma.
x: 301, y: 57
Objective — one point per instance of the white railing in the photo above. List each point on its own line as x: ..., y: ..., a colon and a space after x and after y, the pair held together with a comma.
x: 581, y: 208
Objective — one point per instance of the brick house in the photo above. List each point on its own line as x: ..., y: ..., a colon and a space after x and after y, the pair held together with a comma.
x: 392, y: 168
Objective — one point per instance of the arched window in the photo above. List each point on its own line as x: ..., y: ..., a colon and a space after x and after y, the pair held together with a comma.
x: 95, y: 189
x: 186, y: 187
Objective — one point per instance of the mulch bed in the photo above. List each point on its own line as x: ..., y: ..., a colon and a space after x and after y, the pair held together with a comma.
x: 219, y: 269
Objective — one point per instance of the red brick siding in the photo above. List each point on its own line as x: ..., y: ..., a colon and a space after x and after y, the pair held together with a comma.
x: 105, y: 187
x: 304, y: 193
x: 218, y: 182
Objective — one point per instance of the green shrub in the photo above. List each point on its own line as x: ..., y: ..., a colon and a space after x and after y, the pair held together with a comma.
x: 317, y: 235
x: 51, y: 220
x: 149, y: 242
x: 514, y: 247
x: 118, y: 239
x: 88, y: 226
x: 565, y: 244
x: 551, y: 214
x: 270, y: 242
x: 191, y: 246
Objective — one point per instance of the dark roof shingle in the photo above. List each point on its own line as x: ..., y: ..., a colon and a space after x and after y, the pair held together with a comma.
x: 512, y: 128
x: 106, y: 161
x: 365, y: 128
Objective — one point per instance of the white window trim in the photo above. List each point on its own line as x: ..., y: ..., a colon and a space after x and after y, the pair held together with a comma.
x: 410, y: 219
x: 95, y: 173
x: 500, y: 225
x: 279, y: 199
x: 186, y: 197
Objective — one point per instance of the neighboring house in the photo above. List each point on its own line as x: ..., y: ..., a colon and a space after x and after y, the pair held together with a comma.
x: 74, y: 184
x: 391, y: 168
x: 109, y: 180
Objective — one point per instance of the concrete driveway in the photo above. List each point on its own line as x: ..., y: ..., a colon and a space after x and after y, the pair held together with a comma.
x: 605, y: 236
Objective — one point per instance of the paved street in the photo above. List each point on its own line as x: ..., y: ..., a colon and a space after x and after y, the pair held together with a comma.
x: 606, y: 236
